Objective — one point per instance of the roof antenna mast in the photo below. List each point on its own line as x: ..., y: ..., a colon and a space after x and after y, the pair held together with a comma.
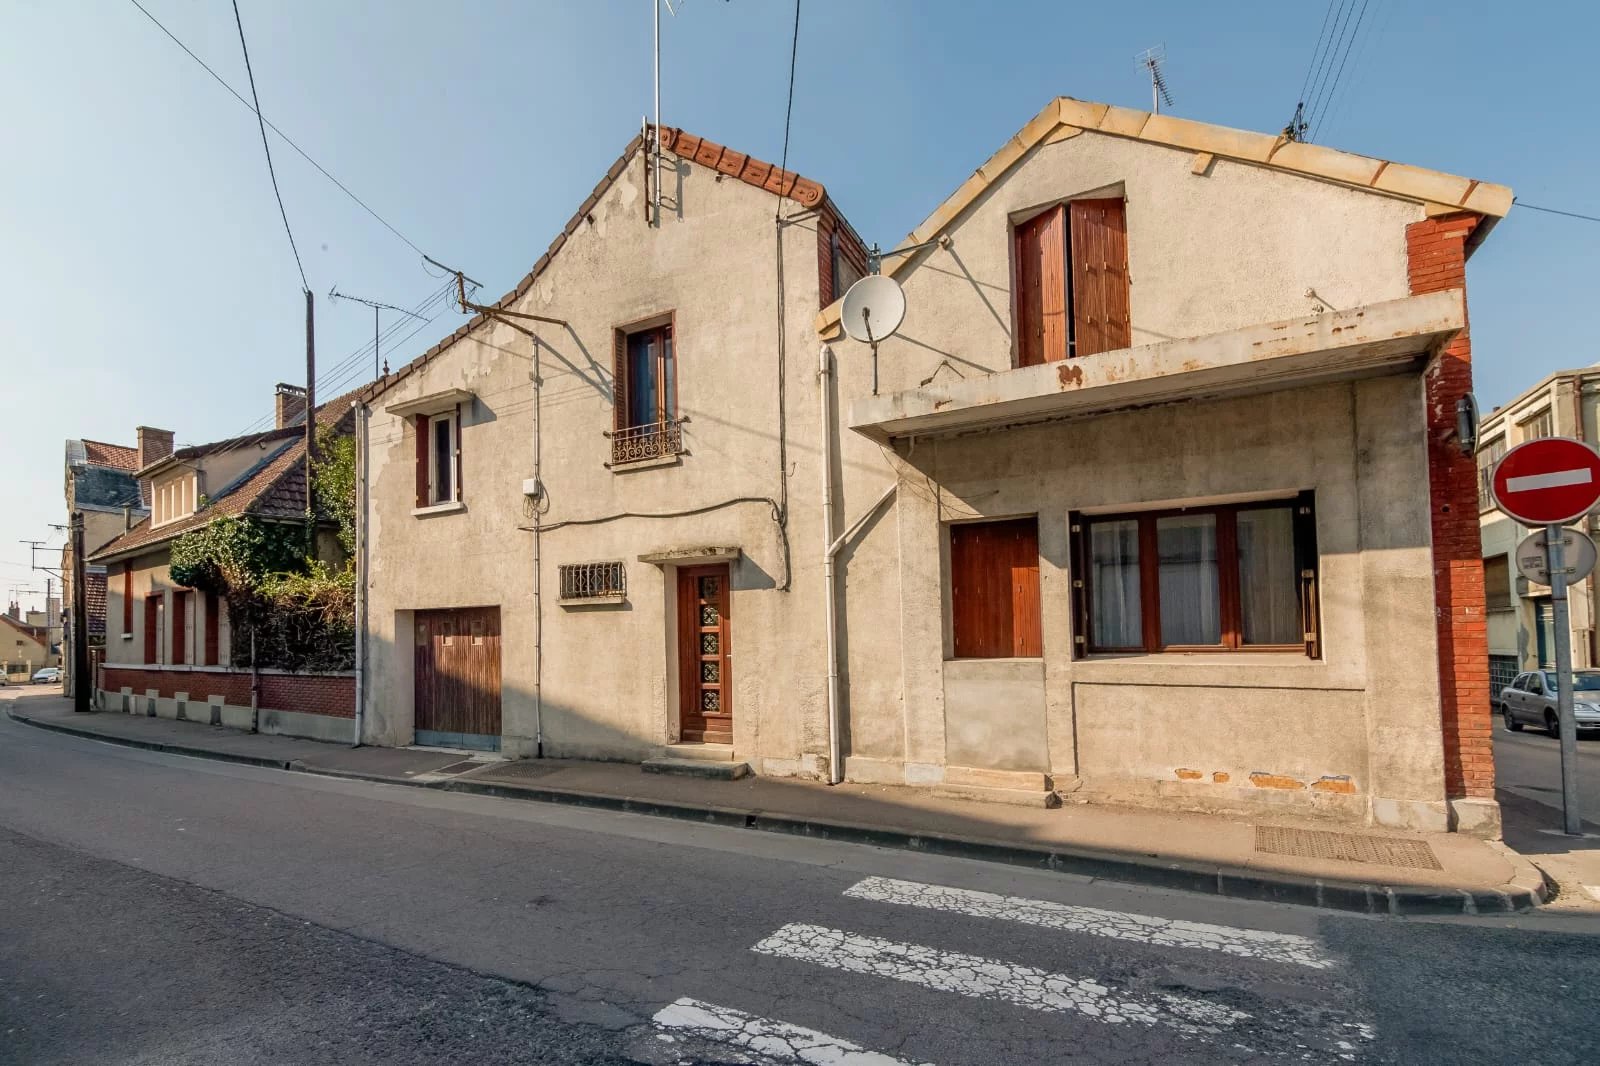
x: 655, y: 149
x: 1150, y: 61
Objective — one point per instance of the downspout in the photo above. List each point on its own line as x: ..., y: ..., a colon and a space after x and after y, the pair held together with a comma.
x: 362, y: 430
x: 255, y: 685
x: 829, y: 597
x: 538, y: 557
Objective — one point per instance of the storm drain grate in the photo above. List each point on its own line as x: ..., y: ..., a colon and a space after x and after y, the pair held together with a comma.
x: 1345, y: 847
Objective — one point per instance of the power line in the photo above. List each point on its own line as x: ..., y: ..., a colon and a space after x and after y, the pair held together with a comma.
x: 788, y: 111
x: 1306, y: 81
x: 1327, y: 56
x: 261, y: 123
x: 1381, y: 17
x: 286, y: 139
x: 1334, y: 85
x: 1336, y: 43
x: 1556, y: 211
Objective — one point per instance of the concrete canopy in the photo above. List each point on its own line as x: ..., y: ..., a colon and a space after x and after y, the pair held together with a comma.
x: 1383, y: 338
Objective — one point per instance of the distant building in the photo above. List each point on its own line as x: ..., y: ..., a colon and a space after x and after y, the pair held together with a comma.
x: 24, y: 646
x: 99, y: 485
x: 1521, y: 621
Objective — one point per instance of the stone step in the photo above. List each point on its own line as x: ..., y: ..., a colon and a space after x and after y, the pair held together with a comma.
x: 697, y: 752
x: 719, y: 771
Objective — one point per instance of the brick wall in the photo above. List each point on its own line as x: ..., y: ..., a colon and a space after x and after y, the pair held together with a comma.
x: 334, y: 696
x: 1436, y: 258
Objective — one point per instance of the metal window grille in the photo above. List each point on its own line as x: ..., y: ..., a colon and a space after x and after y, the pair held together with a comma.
x: 583, y: 581
x: 655, y: 441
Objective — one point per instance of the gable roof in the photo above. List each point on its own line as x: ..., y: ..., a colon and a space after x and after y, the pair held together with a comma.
x: 275, y: 487
x: 707, y: 153
x: 1065, y: 117
x: 34, y: 633
x: 118, y: 456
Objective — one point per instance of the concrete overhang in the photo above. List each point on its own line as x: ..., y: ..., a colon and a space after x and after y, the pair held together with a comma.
x: 1385, y: 338
x: 692, y: 556
x: 432, y: 403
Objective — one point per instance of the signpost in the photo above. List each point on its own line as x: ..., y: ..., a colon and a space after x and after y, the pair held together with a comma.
x: 1549, y: 483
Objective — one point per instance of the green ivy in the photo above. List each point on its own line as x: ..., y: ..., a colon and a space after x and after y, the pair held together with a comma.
x: 231, y: 555
x: 334, y: 475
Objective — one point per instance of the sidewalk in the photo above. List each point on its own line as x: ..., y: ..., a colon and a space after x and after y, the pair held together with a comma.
x: 1414, y: 874
x: 1572, y: 863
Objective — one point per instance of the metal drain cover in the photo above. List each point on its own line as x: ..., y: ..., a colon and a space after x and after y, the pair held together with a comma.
x: 1345, y: 847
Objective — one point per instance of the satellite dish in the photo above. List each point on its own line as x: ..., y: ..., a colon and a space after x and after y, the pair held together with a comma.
x: 873, y: 309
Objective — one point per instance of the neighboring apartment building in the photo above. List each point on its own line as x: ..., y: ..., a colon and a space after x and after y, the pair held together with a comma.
x: 169, y: 649
x: 99, y: 486
x: 1521, y: 621
x: 1156, y: 500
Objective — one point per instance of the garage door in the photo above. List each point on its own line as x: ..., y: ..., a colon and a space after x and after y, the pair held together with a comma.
x: 458, y: 678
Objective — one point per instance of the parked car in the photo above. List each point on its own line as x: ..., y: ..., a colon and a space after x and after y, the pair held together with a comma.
x: 1531, y: 700
x: 50, y: 675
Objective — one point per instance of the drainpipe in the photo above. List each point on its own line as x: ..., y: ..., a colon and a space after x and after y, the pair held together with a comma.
x: 538, y: 556
x: 825, y: 387
x: 255, y: 685
x: 362, y: 430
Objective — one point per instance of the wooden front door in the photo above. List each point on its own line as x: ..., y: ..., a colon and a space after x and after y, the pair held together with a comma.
x: 705, y: 684
x: 458, y: 678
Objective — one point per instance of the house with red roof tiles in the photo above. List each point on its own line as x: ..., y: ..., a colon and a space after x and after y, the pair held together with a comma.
x: 170, y: 651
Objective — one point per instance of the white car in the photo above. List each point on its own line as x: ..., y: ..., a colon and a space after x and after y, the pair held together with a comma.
x: 50, y: 675
x: 1531, y: 700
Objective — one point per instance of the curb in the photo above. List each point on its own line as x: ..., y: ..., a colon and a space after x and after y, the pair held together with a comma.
x: 1528, y: 888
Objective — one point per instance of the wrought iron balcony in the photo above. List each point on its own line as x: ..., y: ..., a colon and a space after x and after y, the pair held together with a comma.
x: 640, y: 443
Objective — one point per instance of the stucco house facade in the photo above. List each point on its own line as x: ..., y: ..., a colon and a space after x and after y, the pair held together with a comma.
x: 1521, y: 620
x: 1156, y: 499
x: 170, y: 650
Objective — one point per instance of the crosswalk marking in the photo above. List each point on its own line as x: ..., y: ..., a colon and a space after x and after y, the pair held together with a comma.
x: 773, y: 1041
x: 992, y: 979
x: 1141, y: 928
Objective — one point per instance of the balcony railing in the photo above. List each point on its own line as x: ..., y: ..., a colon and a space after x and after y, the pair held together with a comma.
x: 637, y: 444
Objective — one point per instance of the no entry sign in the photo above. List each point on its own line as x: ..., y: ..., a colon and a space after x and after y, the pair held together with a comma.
x: 1548, y: 482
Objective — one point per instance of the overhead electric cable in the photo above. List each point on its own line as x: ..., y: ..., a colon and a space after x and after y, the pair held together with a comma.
x: 1334, y: 85
x: 1555, y: 211
x: 1305, y: 82
x: 1323, y: 64
x: 261, y: 124
x: 286, y: 139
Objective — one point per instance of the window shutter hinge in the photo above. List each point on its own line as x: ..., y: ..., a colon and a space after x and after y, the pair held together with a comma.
x: 1078, y: 584
x: 1077, y: 640
x: 1307, y: 575
x: 1076, y: 528
x: 1310, y: 637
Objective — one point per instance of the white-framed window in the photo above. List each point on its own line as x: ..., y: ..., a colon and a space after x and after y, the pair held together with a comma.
x: 174, y: 499
x: 443, y: 458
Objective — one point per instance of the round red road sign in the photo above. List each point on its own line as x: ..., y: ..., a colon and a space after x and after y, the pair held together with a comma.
x: 1547, y: 482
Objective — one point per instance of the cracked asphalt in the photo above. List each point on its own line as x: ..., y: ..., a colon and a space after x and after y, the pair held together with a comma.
x: 157, y: 909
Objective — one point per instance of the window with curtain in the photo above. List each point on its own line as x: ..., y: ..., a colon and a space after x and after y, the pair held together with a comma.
x: 1229, y: 578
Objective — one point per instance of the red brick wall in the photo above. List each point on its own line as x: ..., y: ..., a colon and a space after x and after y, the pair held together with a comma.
x: 305, y: 693
x: 1436, y: 258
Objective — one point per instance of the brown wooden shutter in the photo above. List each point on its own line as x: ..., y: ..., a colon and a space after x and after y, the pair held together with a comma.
x: 1041, y: 280
x: 619, y: 380
x: 213, y: 609
x: 1100, y: 276
x: 459, y: 495
x: 152, y: 621
x: 422, y: 460
x: 1305, y: 550
x: 994, y: 589
x: 127, y: 597
x: 180, y: 601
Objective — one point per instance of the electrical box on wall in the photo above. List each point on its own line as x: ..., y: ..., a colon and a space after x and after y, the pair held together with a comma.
x: 532, y: 489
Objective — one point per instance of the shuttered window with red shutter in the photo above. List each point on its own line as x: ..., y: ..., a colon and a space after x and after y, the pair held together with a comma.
x: 994, y: 589
x: 1070, y: 277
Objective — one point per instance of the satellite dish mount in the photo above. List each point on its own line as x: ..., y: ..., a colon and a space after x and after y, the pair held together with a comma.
x: 873, y: 310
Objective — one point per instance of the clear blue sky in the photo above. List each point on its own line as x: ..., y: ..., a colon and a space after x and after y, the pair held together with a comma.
x: 145, y: 276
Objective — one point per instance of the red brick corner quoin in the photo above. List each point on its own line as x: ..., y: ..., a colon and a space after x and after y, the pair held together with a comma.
x: 1437, y: 259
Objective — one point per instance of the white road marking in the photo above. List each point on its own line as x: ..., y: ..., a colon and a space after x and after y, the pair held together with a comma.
x: 1140, y: 928
x: 1553, y: 480
x: 773, y: 1041
x: 992, y: 979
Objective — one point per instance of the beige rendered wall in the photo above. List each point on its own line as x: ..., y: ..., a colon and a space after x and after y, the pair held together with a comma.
x: 608, y: 671
x: 150, y: 577
x: 1353, y: 734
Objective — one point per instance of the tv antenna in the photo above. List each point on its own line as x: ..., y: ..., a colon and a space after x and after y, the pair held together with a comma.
x: 873, y: 310
x: 1150, y: 60
x: 377, y: 308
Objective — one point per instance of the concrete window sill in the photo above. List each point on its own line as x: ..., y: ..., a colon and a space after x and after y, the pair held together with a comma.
x: 127, y: 636
x: 676, y: 459
x: 592, y: 601
x: 439, y: 508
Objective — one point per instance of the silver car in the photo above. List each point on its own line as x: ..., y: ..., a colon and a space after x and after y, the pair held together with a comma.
x: 1531, y: 700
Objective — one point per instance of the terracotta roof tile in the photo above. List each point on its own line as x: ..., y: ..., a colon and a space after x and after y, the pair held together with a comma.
x: 751, y: 171
x: 94, y: 595
x: 98, y: 453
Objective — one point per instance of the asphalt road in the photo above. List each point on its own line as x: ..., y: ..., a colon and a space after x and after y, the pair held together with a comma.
x: 157, y: 909
x: 1529, y: 764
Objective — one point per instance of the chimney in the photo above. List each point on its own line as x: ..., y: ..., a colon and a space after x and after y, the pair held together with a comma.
x: 154, y: 444
x: 290, y: 403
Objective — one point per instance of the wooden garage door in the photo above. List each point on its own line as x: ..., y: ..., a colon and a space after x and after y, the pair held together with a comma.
x: 458, y: 678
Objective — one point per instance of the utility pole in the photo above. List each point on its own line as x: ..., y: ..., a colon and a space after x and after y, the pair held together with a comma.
x: 80, y: 622
x: 311, y: 423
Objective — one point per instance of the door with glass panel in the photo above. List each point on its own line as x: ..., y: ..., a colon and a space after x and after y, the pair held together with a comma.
x: 705, y: 687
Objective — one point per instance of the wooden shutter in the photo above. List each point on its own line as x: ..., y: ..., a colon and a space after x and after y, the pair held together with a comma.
x: 619, y: 380
x: 127, y: 597
x: 152, y: 623
x: 1041, y: 283
x: 180, y: 603
x: 994, y: 589
x: 1100, y: 276
x: 1305, y: 550
x: 213, y: 608
x: 459, y: 495
x: 422, y: 460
